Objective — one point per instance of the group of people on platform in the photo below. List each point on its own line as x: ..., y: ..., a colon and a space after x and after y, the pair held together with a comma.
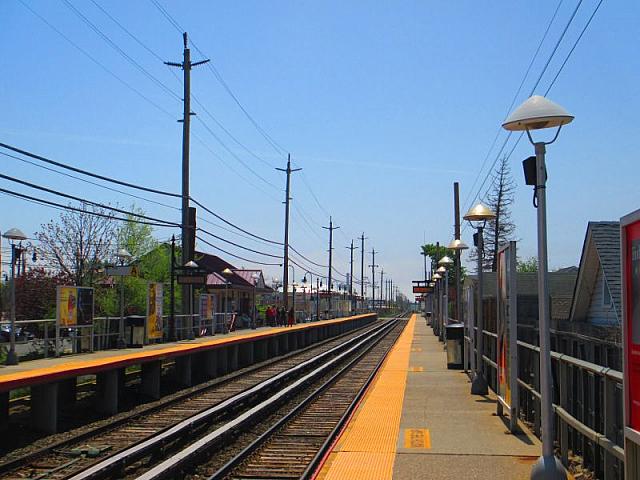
x: 279, y: 317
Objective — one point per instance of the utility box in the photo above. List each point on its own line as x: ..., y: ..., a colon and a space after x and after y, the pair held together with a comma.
x: 455, y: 346
x: 134, y: 330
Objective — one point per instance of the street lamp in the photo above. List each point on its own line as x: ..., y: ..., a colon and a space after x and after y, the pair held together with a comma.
x: 534, y: 114
x: 255, y: 277
x: 125, y: 257
x: 226, y: 272
x: 457, y: 246
x: 293, y: 289
x: 304, y: 282
x: 14, y: 235
x: 444, y: 263
x: 190, y: 265
x: 477, y: 217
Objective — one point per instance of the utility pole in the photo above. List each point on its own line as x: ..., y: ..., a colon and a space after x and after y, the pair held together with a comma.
x: 285, y: 274
x: 331, y: 228
x: 456, y: 213
x: 362, y: 239
x: 351, y: 248
x: 381, y: 283
x: 188, y: 230
x: 373, y: 278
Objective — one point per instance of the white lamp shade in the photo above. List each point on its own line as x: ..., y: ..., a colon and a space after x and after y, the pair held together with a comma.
x: 436, y: 276
x: 479, y: 213
x: 442, y: 269
x: 457, y: 245
x: 191, y: 264
x: 123, y: 254
x: 535, y: 113
x: 445, y: 261
x: 14, y: 234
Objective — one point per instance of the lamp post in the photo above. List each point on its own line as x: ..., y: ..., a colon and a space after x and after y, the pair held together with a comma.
x: 226, y: 272
x: 304, y: 282
x: 436, y: 315
x: 14, y: 235
x: 538, y: 113
x: 293, y: 288
x: 457, y: 246
x: 124, y: 256
x: 255, y: 277
x: 477, y: 217
x: 445, y: 262
x: 190, y: 265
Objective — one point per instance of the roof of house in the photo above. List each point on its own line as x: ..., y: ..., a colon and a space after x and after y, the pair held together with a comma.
x: 601, y: 250
x: 214, y: 266
x: 561, y: 286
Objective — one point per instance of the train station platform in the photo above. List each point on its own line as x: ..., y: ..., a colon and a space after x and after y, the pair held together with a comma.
x: 53, y: 380
x: 419, y: 420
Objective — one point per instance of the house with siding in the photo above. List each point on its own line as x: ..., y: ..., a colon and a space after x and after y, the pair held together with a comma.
x: 597, y: 296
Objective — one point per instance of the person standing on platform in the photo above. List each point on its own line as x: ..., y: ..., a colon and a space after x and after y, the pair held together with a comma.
x: 291, y: 317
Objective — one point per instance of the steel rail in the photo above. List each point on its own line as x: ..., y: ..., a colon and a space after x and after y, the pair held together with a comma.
x: 176, y: 461
x: 20, y: 461
x: 139, y: 450
x: 250, y: 449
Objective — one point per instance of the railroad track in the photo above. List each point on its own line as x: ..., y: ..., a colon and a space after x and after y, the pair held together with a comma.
x: 293, y: 447
x: 340, y: 380
x: 177, y: 419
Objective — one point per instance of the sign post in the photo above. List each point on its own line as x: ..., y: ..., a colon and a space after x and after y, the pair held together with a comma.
x: 630, y: 250
x: 155, y: 302
x: 74, y: 309
x: 507, y: 330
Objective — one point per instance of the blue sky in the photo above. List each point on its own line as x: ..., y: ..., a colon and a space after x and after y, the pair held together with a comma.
x: 383, y: 104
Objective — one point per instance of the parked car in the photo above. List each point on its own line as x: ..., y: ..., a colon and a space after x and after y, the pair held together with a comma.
x: 22, y: 335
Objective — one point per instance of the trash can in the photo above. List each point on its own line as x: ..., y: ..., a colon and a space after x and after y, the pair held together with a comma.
x: 134, y: 330
x: 455, y: 346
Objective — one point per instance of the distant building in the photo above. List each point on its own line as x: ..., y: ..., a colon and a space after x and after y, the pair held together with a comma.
x: 597, y: 297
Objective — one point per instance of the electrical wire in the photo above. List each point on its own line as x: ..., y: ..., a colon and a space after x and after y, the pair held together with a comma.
x: 85, y: 201
x: 238, y: 245
x: 97, y: 62
x: 106, y: 187
x: 87, y: 173
x: 60, y: 206
x: 236, y: 256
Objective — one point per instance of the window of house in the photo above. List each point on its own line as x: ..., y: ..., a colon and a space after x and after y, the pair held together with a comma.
x: 606, y: 294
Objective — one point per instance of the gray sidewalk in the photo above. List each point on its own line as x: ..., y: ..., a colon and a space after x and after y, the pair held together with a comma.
x: 467, y: 440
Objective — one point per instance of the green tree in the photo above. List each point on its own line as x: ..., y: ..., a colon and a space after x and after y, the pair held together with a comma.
x: 435, y: 253
x: 527, y: 265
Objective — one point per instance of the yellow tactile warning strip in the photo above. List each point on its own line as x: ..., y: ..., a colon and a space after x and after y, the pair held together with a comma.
x: 367, y: 447
x: 87, y: 366
x: 417, y: 438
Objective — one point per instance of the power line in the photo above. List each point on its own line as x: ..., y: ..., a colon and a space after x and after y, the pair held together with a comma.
x: 106, y: 187
x: 97, y: 62
x: 89, y: 174
x: 124, y: 54
x: 238, y: 245
x: 234, y: 255
x: 60, y: 206
x: 219, y: 217
x: 83, y: 200
x: 544, y: 69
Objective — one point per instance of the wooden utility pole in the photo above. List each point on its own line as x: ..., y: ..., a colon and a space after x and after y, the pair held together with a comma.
x: 362, y: 239
x: 373, y: 278
x: 351, y: 248
x: 188, y: 230
x: 285, y: 274
x: 456, y: 213
x: 331, y: 228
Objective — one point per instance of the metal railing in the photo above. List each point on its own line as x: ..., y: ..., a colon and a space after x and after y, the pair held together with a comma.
x: 587, y: 400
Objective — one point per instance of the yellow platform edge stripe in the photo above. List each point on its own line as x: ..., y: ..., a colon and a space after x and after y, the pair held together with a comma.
x: 367, y: 447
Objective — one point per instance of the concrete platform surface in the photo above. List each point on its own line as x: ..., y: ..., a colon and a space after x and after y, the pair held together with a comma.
x: 50, y: 369
x: 443, y: 432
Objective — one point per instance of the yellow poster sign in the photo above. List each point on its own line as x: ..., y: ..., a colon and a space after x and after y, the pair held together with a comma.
x: 74, y: 306
x: 67, y: 306
x: 154, y: 310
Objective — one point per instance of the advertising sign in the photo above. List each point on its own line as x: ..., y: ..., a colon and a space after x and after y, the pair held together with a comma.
x: 74, y: 306
x: 207, y: 306
x: 507, y: 331
x: 630, y: 250
x: 154, y: 310
x: 421, y: 289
